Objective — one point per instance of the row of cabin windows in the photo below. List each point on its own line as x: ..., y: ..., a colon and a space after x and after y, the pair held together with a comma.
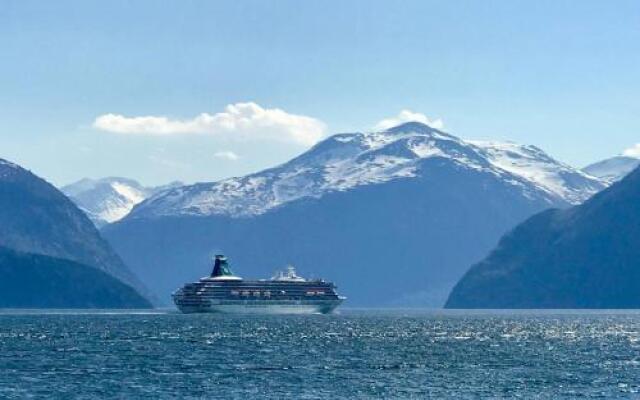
x: 267, y: 293
x: 256, y: 293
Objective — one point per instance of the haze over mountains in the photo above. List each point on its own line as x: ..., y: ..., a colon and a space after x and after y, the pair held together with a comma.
x: 394, y: 217
x: 582, y: 257
x: 39, y: 226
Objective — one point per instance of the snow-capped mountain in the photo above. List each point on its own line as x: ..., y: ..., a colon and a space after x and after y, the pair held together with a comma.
x: 108, y: 200
x: 393, y: 217
x: 345, y: 161
x: 612, y: 169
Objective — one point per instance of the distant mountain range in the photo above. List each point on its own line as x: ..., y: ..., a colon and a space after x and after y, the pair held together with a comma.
x: 394, y: 217
x: 583, y: 257
x: 612, y: 169
x: 108, y: 200
x: 38, y: 220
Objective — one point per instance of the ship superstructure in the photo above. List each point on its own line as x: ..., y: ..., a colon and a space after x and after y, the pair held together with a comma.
x: 284, y: 293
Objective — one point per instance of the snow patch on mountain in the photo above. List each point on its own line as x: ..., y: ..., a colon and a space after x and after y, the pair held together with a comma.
x: 533, y: 164
x: 345, y: 161
x: 612, y: 169
x: 7, y: 168
x: 110, y: 199
x: 8, y: 164
x: 132, y: 194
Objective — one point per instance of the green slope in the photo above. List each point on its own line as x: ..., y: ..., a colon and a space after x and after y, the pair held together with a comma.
x: 37, y: 281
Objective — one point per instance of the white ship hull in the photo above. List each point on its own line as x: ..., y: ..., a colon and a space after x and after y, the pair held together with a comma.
x: 254, y: 307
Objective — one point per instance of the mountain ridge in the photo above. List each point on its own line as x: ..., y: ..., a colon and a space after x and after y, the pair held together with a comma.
x: 344, y: 161
x: 582, y: 257
x: 37, y: 218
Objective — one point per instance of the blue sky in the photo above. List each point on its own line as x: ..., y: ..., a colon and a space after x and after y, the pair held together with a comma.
x: 271, y: 77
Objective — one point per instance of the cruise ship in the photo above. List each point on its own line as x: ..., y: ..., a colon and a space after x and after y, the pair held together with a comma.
x: 285, y: 293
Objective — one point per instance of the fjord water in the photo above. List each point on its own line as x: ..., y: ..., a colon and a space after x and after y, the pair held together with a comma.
x: 355, y: 354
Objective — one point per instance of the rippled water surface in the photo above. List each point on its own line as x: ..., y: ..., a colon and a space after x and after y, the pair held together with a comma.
x: 357, y: 354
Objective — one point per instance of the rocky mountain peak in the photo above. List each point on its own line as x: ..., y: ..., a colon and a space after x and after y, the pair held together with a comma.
x: 349, y: 160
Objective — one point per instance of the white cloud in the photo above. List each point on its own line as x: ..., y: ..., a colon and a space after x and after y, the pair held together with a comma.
x: 240, y: 120
x: 408, y: 116
x: 633, y: 151
x: 226, y: 155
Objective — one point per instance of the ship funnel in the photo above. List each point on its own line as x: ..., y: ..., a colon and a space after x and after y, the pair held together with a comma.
x: 221, y: 267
